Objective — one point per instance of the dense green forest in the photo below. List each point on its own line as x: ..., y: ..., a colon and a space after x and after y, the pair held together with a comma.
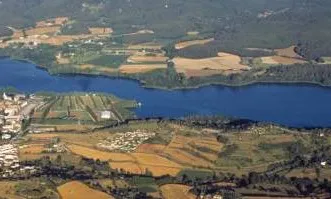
x: 235, y: 24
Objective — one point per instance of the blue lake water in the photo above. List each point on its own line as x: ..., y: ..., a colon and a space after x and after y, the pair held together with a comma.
x: 293, y: 105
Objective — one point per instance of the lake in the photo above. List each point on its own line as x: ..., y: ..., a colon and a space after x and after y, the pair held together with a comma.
x: 292, y: 105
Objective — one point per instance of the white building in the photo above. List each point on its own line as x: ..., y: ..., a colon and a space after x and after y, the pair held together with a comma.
x: 7, y: 97
x: 106, y: 115
x: 5, y: 136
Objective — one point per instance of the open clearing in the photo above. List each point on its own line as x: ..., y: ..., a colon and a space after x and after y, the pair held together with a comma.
x: 78, y: 190
x: 100, y: 30
x: 171, y: 191
x: 275, y: 60
x: 37, y: 31
x: 147, y: 59
x: 285, y: 56
x: 288, y: 52
x: 53, y: 21
x: 140, y: 68
x: 185, y: 44
x: 214, y: 65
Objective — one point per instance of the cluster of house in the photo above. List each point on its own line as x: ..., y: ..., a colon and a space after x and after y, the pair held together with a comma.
x: 126, y: 142
x: 9, y: 161
x: 10, y: 114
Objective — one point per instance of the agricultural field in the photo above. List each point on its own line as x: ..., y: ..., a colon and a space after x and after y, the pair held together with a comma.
x: 288, y: 52
x: 133, y: 162
x: 153, y: 58
x: 171, y: 191
x: 193, y: 151
x: 78, y: 190
x: 8, y: 190
x: 82, y: 108
x: 52, y: 22
x: 186, y: 44
x: 276, y: 60
x: 48, y: 30
x: 140, y: 68
x: 284, y: 56
x: 100, y: 30
x: 222, y: 64
x: 81, y: 139
x: 110, y: 61
x: 172, y: 149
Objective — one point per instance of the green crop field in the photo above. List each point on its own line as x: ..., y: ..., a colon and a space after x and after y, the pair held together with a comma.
x: 83, y: 107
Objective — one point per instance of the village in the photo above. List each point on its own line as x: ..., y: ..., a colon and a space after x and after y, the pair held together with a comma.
x: 14, y: 109
x: 126, y: 142
x: 9, y: 162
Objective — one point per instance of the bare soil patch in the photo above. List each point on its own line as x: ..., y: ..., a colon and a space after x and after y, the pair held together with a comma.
x: 100, y: 30
x: 140, y: 68
x: 185, y: 44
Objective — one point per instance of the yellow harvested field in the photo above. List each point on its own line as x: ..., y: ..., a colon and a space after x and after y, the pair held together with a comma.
x: 78, y: 190
x: 222, y: 63
x: 32, y: 149
x: 146, y: 59
x: 171, y: 191
x: 100, y: 30
x: 97, y: 154
x: 153, y: 159
x: 133, y: 162
x: 150, y: 148
x: 131, y: 167
x: 288, y: 52
x: 161, y: 170
x: 185, y: 44
x: 37, y: 31
x: 140, y: 68
x: 274, y: 60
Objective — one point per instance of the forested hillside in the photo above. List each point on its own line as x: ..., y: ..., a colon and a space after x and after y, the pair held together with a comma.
x: 234, y: 23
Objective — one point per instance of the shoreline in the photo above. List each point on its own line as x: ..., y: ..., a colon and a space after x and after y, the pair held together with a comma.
x: 199, y: 86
